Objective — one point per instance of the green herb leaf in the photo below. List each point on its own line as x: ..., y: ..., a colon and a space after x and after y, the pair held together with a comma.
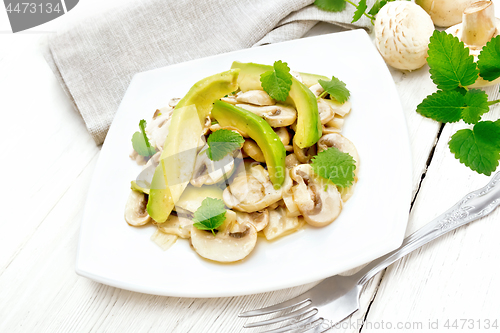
x: 377, y: 6
x: 140, y: 141
x: 334, y: 165
x: 476, y: 104
x: 450, y: 64
x: 443, y: 106
x: 336, y: 88
x: 479, y: 148
x: 223, y: 142
x: 331, y: 5
x: 360, y: 10
x: 489, y: 60
x: 277, y: 83
x: 210, y: 215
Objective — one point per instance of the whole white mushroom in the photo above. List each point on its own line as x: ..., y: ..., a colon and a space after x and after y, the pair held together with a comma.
x: 402, y: 32
x: 444, y: 13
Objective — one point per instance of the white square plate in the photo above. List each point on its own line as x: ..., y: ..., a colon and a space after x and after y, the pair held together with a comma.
x: 371, y: 224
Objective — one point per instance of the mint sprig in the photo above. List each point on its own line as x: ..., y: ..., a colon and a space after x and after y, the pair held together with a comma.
x: 335, y: 166
x: 140, y: 141
x: 210, y: 215
x: 278, y: 82
x: 453, y: 70
x: 223, y: 142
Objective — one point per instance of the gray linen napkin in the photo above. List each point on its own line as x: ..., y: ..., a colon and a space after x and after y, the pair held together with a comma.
x: 96, y: 59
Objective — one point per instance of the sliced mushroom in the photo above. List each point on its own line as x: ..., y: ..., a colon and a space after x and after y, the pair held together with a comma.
x: 252, y: 191
x: 293, y: 209
x: 216, y: 127
x: 297, y: 76
x: 140, y: 160
x: 255, y: 97
x: 157, y: 129
x: 341, y: 143
x: 176, y: 225
x: 208, y: 172
x: 165, y: 241
x: 283, y: 135
x: 258, y: 219
x: 336, y: 122
x: 230, y: 99
x: 329, y: 130
x: 318, y: 201
x: 276, y: 115
x: 135, y: 209
x: 252, y: 150
x: 173, y: 102
x: 281, y: 224
x: 304, y: 155
x: 291, y: 161
x: 232, y: 242
x: 316, y: 89
x: 325, y: 110
x: 346, y: 192
x: 338, y: 108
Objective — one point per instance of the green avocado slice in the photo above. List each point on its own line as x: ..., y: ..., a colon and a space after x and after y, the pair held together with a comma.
x: 260, y: 131
x: 309, y: 128
x: 177, y: 160
x: 204, y: 92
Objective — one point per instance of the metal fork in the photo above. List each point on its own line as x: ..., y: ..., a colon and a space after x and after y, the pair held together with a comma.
x: 337, y: 297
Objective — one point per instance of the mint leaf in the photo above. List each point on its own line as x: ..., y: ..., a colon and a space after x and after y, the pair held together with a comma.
x: 331, y: 5
x: 336, y: 88
x: 450, y: 64
x: 140, y: 141
x: 443, y: 106
x: 479, y: 148
x: 360, y: 10
x: 210, y: 215
x: 334, y: 165
x: 277, y: 83
x: 377, y: 6
x: 223, y: 142
x: 489, y: 60
x: 476, y: 102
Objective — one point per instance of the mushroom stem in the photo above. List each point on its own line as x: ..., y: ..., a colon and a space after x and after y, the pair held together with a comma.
x: 478, y: 23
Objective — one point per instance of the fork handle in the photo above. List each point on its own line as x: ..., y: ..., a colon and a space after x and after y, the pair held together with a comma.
x: 473, y: 206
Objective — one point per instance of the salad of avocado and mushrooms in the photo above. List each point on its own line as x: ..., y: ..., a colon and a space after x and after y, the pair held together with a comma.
x: 255, y: 150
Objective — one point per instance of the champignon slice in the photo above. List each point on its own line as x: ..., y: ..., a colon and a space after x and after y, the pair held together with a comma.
x: 329, y: 130
x: 135, y: 209
x: 340, y: 109
x: 293, y: 209
x: 283, y: 134
x: 251, y: 191
x: 325, y: 111
x: 176, y: 225
x: 208, y: 172
x: 291, y: 161
x: 230, y: 99
x: 276, y: 115
x: 173, y: 102
x: 336, y: 122
x: 252, y: 150
x: 258, y: 219
x: 297, y: 76
x: 157, y: 129
x: 316, y: 89
x: 318, y: 201
x: 341, y: 143
x: 255, y: 97
x: 281, y: 224
x: 165, y: 241
x: 304, y: 155
x: 232, y: 242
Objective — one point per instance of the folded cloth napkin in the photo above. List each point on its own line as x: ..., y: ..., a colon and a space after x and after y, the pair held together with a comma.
x: 96, y: 59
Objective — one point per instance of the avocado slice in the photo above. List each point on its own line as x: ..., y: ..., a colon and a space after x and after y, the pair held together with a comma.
x: 248, y: 81
x: 260, y: 131
x: 176, y: 165
x: 309, y: 128
x: 134, y: 186
x: 204, y: 92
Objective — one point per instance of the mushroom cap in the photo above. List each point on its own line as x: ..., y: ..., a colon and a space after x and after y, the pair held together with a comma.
x: 135, y: 209
x: 258, y: 219
x: 281, y: 223
x: 444, y: 13
x: 402, y: 32
x: 304, y: 155
x: 208, y: 172
x: 318, y: 201
x: 325, y: 110
x: 232, y: 242
x: 251, y: 191
x: 176, y: 225
x: 255, y: 97
x: 278, y: 115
